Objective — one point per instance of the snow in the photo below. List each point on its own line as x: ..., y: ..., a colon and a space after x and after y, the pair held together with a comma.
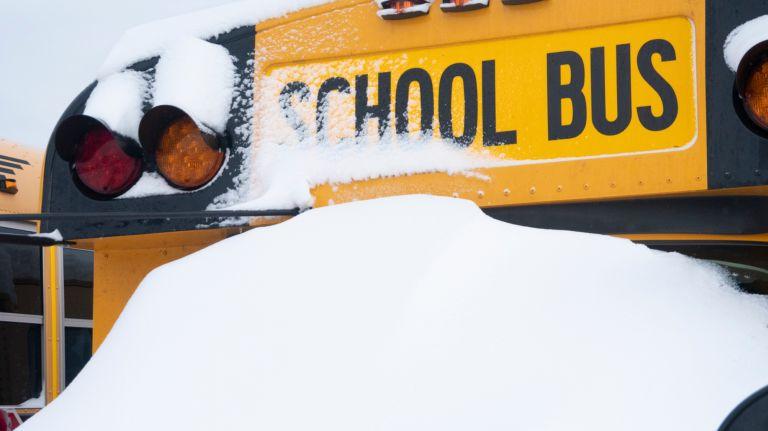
x: 150, y: 184
x: 199, y: 78
x: 285, y: 172
x: 34, y: 403
x: 117, y: 100
x: 55, y: 235
x: 421, y: 313
x: 152, y: 39
x: 743, y: 38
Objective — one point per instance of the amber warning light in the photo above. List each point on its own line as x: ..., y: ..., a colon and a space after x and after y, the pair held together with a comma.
x: 751, y: 89
x: 186, y: 154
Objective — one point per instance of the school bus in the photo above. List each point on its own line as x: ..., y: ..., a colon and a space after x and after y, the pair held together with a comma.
x: 41, y: 309
x: 619, y: 118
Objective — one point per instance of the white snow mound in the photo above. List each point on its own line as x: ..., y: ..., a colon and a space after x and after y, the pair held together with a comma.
x: 117, y: 100
x: 421, y: 313
x: 743, y: 38
x: 199, y: 78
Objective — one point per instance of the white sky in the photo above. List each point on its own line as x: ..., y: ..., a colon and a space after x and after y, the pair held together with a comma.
x: 51, y: 49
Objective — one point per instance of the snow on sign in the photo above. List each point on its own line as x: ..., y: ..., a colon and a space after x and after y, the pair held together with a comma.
x: 421, y: 313
x: 528, y: 98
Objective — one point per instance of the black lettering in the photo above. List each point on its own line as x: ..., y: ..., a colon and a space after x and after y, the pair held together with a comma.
x: 623, y: 94
x: 421, y: 77
x: 557, y: 92
x: 286, y: 98
x: 491, y: 136
x: 659, y: 84
x: 333, y: 84
x: 381, y: 111
x: 467, y: 75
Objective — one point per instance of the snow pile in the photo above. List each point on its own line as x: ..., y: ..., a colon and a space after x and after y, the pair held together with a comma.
x: 199, y: 78
x: 285, y: 172
x: 152, y: 39
x: 118, y: 100
x: 421, y: 313
x: 150, y: 184
x: 55, y: 235
x: 743, y: 38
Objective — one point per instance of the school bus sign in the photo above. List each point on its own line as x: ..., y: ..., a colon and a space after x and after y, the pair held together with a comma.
x: 621, y: 89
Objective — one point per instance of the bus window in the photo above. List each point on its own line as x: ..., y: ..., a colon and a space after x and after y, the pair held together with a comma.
x: 78, y: 311
x: 21, y: 325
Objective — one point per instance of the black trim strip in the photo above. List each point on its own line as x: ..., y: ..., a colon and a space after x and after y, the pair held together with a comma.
x: 716, y: 215
x: 105, y: 216
x: 14, y: 159
x: 7, y: 171
x: 11, y: 165
x: 35, y: 240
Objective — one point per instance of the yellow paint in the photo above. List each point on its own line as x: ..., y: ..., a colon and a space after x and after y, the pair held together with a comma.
x: 121, y: 263
x: 52, y: 319
x: 28, y: 179
x: 520, y: 69
x: 349, y: 32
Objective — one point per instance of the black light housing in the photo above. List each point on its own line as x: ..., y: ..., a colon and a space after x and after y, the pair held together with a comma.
x: 403, y: 9
x: 463, y: 5
x: 750, y: 415
x: 184, y: 152
x: 104, y: 164
x: 754, y: 62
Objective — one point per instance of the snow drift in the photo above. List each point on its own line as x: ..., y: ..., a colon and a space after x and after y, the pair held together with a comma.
x: 421, y: 313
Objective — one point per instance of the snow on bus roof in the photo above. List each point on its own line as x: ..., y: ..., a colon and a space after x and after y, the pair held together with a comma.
x: 422, y: 313
x: 150, y: 40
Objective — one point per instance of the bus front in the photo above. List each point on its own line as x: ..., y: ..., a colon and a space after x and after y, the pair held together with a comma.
x: 644, y: 119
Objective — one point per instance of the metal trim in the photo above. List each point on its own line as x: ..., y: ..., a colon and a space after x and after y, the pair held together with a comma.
x: 77, y: 323
x: 17, y: 225
x: 33, y: 319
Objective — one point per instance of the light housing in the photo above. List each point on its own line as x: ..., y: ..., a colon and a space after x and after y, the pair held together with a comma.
x: 751, y: 89
x: 463, y: 5
x: 402, y: 9
x: 104, y: 164
x: 187, y: 154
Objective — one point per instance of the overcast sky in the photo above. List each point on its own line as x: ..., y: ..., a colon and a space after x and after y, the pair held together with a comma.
x: 51, y: 49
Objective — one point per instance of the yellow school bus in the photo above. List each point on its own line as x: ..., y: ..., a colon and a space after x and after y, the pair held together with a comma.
x: 620, y: 118
x: 45, y: 316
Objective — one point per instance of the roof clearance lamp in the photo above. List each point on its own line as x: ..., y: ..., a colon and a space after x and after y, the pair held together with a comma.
x: 402, y: 9
x: 186, y: 154
x: 517, y: 2
x: 463, y: 5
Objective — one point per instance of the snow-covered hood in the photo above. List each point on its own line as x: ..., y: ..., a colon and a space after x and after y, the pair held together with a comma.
x: 421, y: 313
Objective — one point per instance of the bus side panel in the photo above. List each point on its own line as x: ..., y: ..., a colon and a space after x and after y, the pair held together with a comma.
x: 367, y: 39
